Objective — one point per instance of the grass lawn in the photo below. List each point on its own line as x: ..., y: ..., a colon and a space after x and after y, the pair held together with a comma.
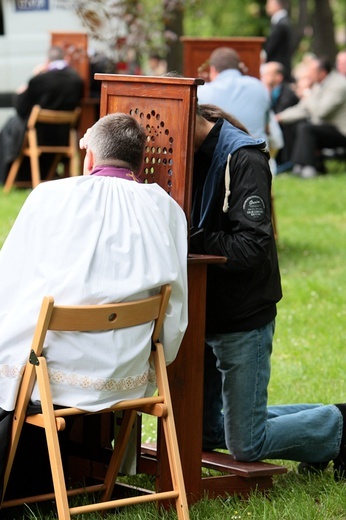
x: 309, y: 361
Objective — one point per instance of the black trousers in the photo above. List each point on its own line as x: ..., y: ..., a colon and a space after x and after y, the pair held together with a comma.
x: 311, y: 138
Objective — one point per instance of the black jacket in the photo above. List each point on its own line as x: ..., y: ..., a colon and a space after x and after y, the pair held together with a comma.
x: 278, y: 45
x: 57, y: 89
x: 286, y: 98
x: 242, y: 293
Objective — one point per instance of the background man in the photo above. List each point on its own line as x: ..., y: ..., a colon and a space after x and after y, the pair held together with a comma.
x: 278, y: 46
x: 322, y: 118
x: 245, y: 97
x: 341, y: 62
x: 54, y: 86
x: 281, y: 96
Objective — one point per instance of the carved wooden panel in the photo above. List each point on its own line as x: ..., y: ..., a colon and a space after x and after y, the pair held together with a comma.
x: 166, y: 107
x: 197, y: 52
x: 75, y: 45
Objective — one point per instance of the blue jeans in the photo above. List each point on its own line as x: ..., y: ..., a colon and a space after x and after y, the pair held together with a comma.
x: 236, y: 415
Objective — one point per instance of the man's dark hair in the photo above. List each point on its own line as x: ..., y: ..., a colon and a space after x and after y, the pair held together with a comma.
x: 118, y: 138
x: 56, y: 53
x: 224, y: 58
x: 280, y: 68
x: 213, y: 113
x: 325, y: 64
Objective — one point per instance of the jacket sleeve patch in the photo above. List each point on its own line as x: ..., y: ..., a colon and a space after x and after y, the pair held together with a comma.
x: 254, y: 208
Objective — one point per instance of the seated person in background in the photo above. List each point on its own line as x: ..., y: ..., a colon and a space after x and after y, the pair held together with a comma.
x: 281, y: 96
x: 156, y: 65
x: 243, y: 96
x: 302, y: 81
x: 98, y: 62
x: 341, y: 62
x: 93, y: 239
x: 231, y: 217
x: 321, y: 116
x: 54, y: 86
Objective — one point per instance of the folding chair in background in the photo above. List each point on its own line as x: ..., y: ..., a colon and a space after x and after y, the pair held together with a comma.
x: 33, y: 149
x: 87, y: 319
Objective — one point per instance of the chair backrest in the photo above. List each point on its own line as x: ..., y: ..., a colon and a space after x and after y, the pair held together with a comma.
x: 89, y: 318
x: 48, y: 132
x: 53, y: 117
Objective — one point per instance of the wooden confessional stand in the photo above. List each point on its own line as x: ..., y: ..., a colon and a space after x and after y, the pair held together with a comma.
x: 198, y: 50
x: 166, y: 107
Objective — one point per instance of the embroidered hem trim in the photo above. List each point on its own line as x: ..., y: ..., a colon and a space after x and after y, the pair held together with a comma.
x: 101, y: 385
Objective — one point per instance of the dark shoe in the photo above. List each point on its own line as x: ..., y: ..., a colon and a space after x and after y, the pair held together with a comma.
x: 340, y: 461
x: 340, y: 468
x: 306, y: 468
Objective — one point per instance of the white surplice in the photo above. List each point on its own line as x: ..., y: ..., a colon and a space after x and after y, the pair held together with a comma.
x: 91, y: 240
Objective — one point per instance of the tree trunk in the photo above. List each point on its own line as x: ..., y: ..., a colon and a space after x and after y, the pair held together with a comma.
x: 299, y: 27
x: 323, y: 42
x: 174, y: 25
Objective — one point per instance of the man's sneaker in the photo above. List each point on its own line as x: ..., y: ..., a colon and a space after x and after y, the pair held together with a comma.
x: 308, y: 172
x: 297, y: 169
x: 306, y: 468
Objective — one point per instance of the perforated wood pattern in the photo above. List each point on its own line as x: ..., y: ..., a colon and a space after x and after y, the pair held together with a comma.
x: 166, y: 107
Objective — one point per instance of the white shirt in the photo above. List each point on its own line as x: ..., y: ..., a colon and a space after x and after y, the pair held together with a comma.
x: 242, y: 96
x: 90, y: 240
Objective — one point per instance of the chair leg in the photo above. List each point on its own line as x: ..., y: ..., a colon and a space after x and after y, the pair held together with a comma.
x: 75, y: 156
x: 26, y: 387
x: 74, y: 165
x: 12, y: 174
x: 171, y: 434
x: 52, y: 441
x: 128, y: 420
x: 35, y: 169
x: 17, y: 426
x: 53, y: 167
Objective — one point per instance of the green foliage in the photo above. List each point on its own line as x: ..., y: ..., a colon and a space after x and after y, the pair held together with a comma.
x: 219, y: 18
x: 308, y: 362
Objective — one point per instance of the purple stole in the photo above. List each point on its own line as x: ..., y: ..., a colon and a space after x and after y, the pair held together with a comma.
x: 113, y: 171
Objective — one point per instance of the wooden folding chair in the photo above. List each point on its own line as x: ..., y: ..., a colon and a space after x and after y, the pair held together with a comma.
x: 32, y: 149
x: 86, y: 319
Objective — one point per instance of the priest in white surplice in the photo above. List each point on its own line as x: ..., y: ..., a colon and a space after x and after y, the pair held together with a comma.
x: 99, y: 238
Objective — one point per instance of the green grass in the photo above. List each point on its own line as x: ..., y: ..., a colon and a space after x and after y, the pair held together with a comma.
x: 309, y: 360
x: 9, y: 207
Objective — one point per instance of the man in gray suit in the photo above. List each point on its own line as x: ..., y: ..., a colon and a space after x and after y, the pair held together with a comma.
x: 321, y: 116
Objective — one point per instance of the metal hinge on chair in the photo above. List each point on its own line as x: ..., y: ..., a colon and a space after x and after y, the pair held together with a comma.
x: 33, y: 359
